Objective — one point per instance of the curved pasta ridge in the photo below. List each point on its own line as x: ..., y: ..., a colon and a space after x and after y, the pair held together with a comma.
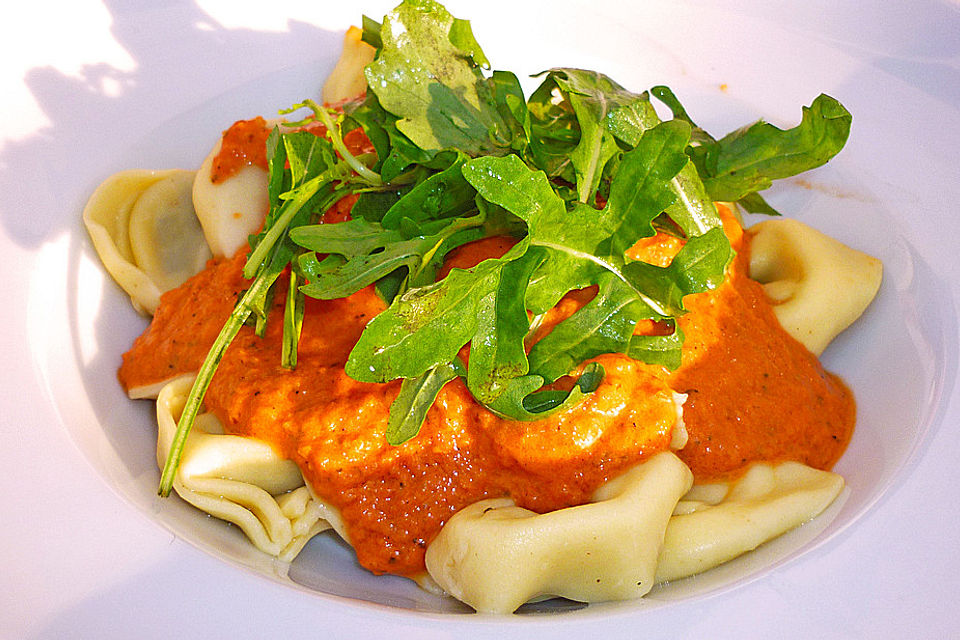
x: 715, y: 523
x: 231, y: 210
x: 241, y: 480
x: 143, y: 227
x: 819, y: 286
x: 646, y: 527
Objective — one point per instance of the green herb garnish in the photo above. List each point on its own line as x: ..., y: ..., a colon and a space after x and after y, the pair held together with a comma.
x: 576, y: 173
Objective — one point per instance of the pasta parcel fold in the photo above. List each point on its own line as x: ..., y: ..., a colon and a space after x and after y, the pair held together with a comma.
x: 819, y: 285
x: 146, y: 233
x: 496, y: 556
x: 766, y: 501
x: 241, y: 480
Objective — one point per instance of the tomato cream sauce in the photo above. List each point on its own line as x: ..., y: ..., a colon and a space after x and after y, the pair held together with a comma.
x: 245, y: 144
x: 753, y: 392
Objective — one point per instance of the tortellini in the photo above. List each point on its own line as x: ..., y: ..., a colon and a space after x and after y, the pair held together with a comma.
x: 495, y: 556
x: 346, y: 81
x: 643, y: 528
x: 231, y: 210
x: 241, y: 480
x: 716, y: 523
x: 819, y: 285
x: 144, y: 229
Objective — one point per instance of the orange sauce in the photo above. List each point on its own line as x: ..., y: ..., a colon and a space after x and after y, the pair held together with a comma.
x: 753, y: 394
x: 245, y: 144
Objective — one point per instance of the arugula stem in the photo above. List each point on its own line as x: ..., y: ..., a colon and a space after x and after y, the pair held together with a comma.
x: 292, y: 323
x: 259, y: 289
x: 199, y: 389
x: 260, y: 329
x: 287, y: 211
x: 333, y: 132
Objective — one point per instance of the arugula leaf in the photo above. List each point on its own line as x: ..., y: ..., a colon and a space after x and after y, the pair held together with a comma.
x: 583, y: 243
x: 597, y: 146
x: 568, y: 237
x: 403, y: 154
x: 373, y: 205
x: 349, y: 238
x: 443, y: 195
x: 553, y: 132
x: 426, y: 326
x: 628, y: 116
x: 371, y: 32
x: 508, y: 96
x: 609, y: 103
x: 391, y: 285
x: 754, y: 203
x: 698, y: 138
x: 571, y: 110
x: 370, y: 253
x: 497, y: 353
x: 699, y: 266
x: 368, y: 115
x: 395, y: 153
x: 417, y: 395
x: 423, y: 76
x: 643, y: 186
x: 748, y: 160
x: 461, y: 36
x: 603, y: 325
x: 663, y: 350
x: 523, y: 399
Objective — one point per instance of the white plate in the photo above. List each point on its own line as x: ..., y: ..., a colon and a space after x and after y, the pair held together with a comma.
x: 151, y: 87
